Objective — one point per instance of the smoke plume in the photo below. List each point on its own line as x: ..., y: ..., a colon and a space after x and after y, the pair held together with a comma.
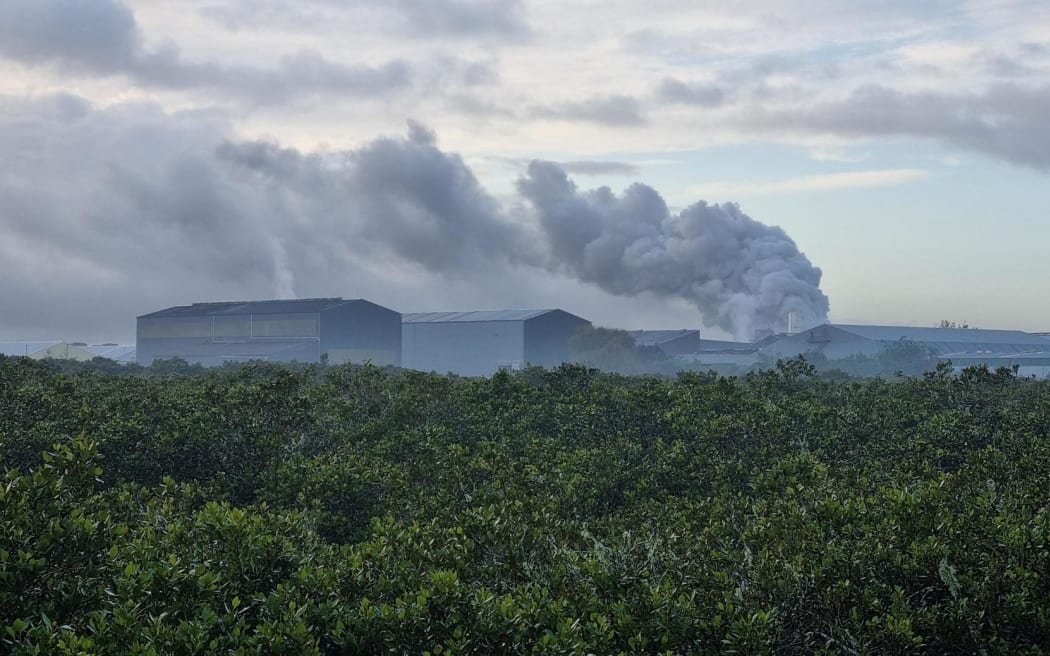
x: 113, y: 212
x: 740, y: 274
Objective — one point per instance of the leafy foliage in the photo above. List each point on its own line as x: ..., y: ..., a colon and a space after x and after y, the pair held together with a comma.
x: 357, y: 510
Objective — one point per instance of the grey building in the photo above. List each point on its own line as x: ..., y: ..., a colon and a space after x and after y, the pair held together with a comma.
x: 120, y: 353
x: 837, y: 341
x: 671, y: 342
x: 302, y: 330
x: 480, y: 343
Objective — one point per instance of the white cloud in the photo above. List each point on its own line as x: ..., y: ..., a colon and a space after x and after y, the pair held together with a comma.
x: 809, y: 183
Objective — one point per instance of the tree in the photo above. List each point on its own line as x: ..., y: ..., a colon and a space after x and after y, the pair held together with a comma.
x: 611, y: 350
x: 906, y: 356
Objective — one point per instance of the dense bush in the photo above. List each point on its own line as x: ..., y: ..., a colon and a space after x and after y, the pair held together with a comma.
x: 355, y: 510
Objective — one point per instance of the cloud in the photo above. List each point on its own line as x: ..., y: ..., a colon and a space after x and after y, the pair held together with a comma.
x: 618, y: 111
x: 416, y: 18
x: 672, y: 90
x: 1006, y: 121
x: 460, y: 17
x: 598, y: 167
x: 102, y: 37
x: 99, y: 35
x: 824, y: 182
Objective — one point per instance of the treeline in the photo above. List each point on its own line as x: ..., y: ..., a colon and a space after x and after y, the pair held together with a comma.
x: 356, y: 510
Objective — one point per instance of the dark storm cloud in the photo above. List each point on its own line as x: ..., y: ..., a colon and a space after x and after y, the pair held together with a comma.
x: 604, y: 110
x: 109, y: 213
x: 672, y: 90
x: 101, y: 36
x: 1005, y: 121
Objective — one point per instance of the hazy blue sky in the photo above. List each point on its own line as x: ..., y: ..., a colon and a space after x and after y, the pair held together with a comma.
x: 169, y: 151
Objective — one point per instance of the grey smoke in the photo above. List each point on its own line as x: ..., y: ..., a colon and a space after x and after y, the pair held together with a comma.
x: 740, y: 274
x: 107, y: 213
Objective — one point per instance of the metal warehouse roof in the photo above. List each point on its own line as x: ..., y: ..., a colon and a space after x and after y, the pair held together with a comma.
x: 477, y: 315
x: 946, y: 335
x: 26, y: 348
x: 291, y: 306
x: 654, y: 337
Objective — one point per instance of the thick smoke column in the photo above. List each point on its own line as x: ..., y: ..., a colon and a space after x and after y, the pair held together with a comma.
x: 741, y: 275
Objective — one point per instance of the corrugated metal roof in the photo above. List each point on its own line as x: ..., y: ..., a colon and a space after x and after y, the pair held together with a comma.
x: 944, y: 335
x: 655, y: 337
x: 1024, y: 355
x: 290, y: 306
x: 476, y: 315
x: 26, y: 348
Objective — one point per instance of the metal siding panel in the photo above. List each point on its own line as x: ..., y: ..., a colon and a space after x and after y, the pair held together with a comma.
x: 363, y: 331
x: 464, y: 348
x: 547, y: 337
x: 474, y: 316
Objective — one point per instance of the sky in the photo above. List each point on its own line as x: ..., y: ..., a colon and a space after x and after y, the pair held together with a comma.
x: 643, y: 164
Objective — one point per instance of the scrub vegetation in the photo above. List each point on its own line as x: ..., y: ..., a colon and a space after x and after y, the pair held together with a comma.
x: 359, y: 510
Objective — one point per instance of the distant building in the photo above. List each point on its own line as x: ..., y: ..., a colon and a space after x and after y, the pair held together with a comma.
x: 480, y: 343
x: 671, y: 342
x: 40, y: 350
x: 1031, y: 363
x: 724, y: 353
x: 837, y: 341
x: 121, y: 353
x: 303, y: 330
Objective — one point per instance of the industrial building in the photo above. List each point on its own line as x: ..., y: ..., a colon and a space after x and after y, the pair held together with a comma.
x: 119, y: 353
x: 837, y: 341
x: 333, y: 330
x: 670, y: 342
x: 480, y: 343
x: 43, y: 349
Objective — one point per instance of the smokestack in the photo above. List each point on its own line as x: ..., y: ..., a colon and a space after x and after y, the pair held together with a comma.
x: 794, y: 321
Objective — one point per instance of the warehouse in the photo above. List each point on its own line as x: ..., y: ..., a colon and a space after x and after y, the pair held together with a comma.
x: 119, y: 353
x: 670, y: 342
x: 303, y: 330
x: 480, y: 343
x: 44, y: 349
x: 1029, y: 364
x: 838, y: 341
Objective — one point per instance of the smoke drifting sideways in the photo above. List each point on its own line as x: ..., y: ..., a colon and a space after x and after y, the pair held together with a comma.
x: 427, y: 207
x: 112, y: 212
x: 742, y: 275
